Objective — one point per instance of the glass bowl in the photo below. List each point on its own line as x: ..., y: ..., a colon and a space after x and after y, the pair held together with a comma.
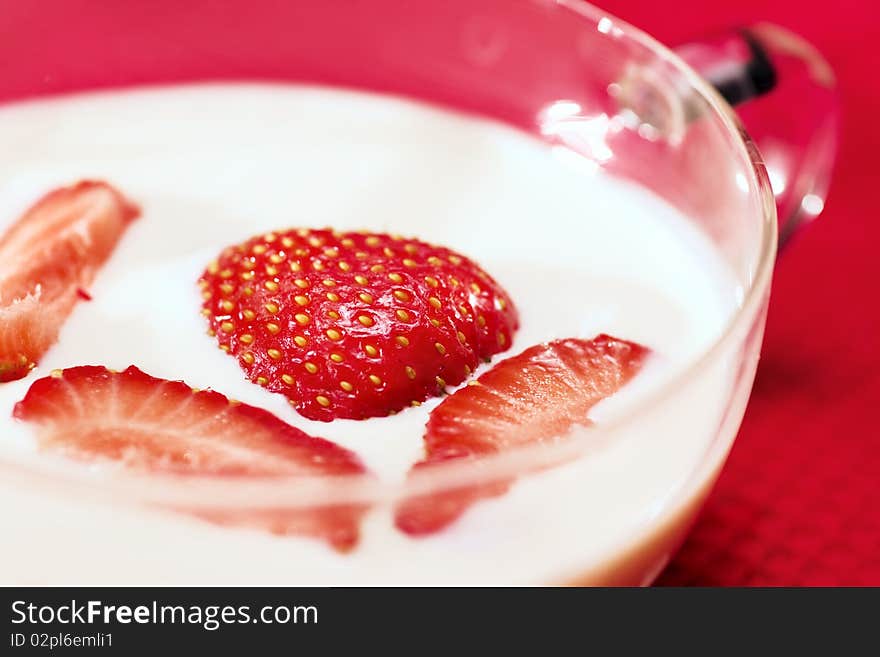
x: 566, y: 73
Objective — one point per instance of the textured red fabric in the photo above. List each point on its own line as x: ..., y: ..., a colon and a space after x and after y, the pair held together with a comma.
x: 798, y: 502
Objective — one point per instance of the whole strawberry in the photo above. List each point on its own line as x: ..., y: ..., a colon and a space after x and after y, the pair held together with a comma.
x: 354, y: 325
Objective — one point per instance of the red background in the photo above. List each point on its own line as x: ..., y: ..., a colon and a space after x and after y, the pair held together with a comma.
x: 799, y: 500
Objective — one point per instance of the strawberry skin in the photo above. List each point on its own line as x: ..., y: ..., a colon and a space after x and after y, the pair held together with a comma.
x: 154, y: 425
x: 47, y: 260
x: 353, y: 325
x: 532, y: 398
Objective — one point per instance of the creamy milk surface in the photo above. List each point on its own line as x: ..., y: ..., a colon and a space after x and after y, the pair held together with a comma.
x: 580, y: 253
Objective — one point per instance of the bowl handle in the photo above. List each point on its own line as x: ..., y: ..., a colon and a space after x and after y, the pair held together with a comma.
x: 785, y: 94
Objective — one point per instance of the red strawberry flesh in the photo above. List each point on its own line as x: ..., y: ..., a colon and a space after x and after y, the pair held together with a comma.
x: 154, y: 425
x: 354, y: 325
x: 48, y: 258
x: 533, y: 398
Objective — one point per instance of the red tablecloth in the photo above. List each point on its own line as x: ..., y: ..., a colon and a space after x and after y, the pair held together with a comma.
x: 799, y: 500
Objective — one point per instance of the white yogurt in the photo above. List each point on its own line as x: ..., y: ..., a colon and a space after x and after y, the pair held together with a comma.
x: 212, y: 165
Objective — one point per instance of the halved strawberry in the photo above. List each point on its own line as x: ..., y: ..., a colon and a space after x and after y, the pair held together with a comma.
x: 47, y: 259
x: 534, y: 397
x: 154, y: 425
x: 353, y: 325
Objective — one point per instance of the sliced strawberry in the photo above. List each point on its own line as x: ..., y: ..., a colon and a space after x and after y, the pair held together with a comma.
x: 48, y: 258
x: 353, y: 325
x: 534, y: 397
x: 155, y: 425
